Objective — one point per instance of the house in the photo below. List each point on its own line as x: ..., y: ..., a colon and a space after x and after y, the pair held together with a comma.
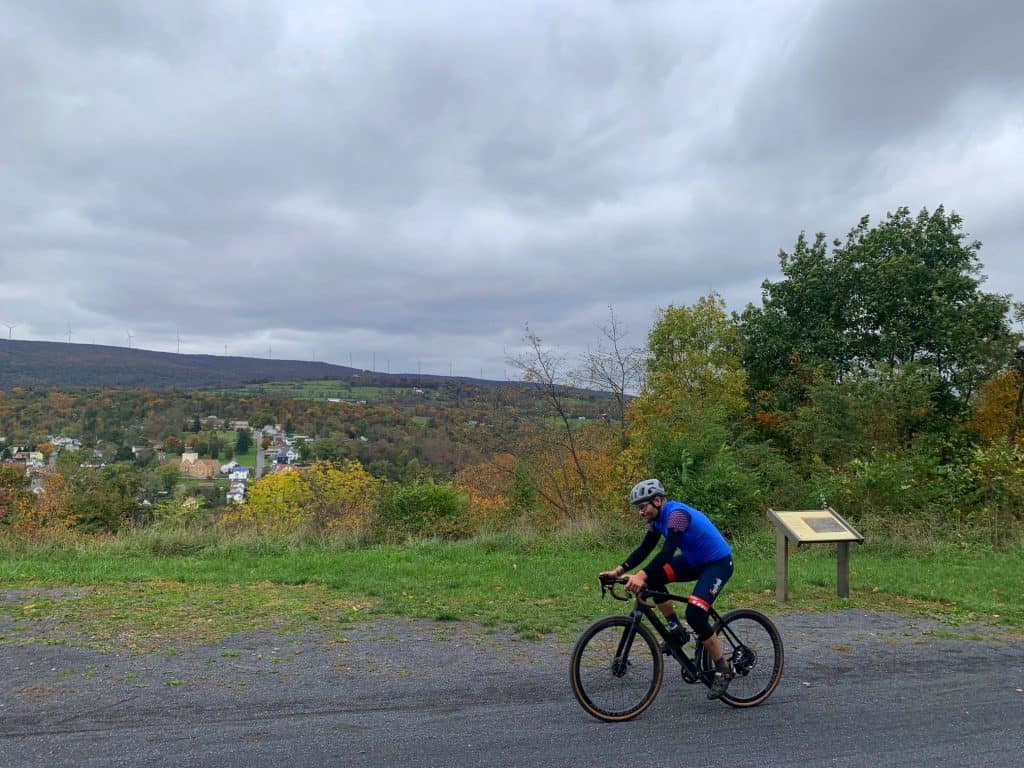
x: 239, y: 473
x: 142, y: 452
x: 227, y: 469
x: 235, y: 425
x: 191, y: 465
x: 236, y: 493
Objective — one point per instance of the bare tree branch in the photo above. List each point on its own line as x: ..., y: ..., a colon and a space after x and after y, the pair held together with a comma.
x: 615, y: 368
x: 546, y: 369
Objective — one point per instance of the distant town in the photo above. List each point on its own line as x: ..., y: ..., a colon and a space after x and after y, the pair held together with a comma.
x: 273, y: 451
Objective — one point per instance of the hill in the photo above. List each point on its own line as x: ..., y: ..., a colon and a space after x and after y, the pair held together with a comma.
x: 46, y: 364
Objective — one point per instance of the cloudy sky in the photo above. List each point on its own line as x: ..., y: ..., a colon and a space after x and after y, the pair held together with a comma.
x: 404, y: 184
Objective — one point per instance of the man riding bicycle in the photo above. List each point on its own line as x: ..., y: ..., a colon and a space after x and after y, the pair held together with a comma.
x: 703, y: 556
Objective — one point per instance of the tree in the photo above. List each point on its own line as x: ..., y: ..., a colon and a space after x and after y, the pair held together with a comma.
x: 683, y: 425
x: 243, y: 441
x: 615, y: 367
x: 167, y: 476
x: 694, y: 369
x: 14, y: 493
x: 278, y: 502
x: 343, y: 496
x: 905, y: 291
x: 102, y: 500
x: 1018, y: 356
x: 546, y: 369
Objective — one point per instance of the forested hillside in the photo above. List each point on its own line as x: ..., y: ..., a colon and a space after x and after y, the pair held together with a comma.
x: 43, y: 364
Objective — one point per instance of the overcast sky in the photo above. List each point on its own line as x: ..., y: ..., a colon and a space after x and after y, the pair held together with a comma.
x: 403, y: 185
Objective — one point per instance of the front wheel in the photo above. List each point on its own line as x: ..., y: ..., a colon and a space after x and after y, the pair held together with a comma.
x: 616, y: 669
x: 753, y: 645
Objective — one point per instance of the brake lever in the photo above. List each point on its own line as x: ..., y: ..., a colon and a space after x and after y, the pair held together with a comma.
x: 609, y: 587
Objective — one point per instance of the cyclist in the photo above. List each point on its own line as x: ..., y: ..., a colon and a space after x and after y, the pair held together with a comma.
x: 693, y: 550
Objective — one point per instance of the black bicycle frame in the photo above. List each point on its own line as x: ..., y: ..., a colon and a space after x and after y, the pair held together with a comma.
x: 642, y: 608
x: 691, y: 673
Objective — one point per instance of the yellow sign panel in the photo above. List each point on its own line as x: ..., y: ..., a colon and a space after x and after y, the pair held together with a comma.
x: 809, y: 525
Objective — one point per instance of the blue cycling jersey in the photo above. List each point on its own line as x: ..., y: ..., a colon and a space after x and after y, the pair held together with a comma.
x: 701, y: 541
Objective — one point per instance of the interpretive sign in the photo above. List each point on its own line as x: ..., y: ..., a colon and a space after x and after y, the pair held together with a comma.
x: 812, y: 526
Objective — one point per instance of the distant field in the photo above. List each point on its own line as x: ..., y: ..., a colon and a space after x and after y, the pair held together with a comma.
x: 247, y: 459
x: 321, y: 390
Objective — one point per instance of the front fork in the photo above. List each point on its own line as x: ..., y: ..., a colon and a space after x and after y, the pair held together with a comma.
x: 621, y: 663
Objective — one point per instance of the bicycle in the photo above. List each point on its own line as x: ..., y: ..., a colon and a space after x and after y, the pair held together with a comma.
x: 617, y: 665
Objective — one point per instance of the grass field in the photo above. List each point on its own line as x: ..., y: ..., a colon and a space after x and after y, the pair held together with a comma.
x: 154, y: 590
x: 247, y: 459
x: 321, y: 390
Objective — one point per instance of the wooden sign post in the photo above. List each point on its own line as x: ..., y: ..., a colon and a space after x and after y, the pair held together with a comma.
x: 807, y: 526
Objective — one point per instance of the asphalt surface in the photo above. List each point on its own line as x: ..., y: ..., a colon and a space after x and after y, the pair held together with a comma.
x: 859, y: 689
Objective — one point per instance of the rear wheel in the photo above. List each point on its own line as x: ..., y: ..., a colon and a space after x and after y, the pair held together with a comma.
x: 616, y: 671
x: 753, y: 645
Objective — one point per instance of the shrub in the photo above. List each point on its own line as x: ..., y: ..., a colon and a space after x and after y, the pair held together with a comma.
x: 997, y: 510
x: 708, y: 474
x: 423, y: 508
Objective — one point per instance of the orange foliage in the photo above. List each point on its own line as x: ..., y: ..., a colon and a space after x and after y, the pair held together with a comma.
x: 993, y: 414
x: 487, y: 484
x: 44, y: 516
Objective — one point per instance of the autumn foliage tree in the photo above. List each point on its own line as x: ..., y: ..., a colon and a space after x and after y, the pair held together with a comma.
x: 323, y: 499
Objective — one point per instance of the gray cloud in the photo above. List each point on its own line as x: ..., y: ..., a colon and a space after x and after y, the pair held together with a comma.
x: 351, y: 181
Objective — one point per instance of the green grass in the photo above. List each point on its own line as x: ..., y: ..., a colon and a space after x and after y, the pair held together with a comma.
x: 247, y: 459
x: 151, y: 590
x: 320, y: 390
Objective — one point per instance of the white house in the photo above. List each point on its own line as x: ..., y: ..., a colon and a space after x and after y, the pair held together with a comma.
x: 239, y: 473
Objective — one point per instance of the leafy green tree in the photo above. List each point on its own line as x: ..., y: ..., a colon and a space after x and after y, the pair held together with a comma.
x: 167, y: 476
x: 103, y: 500
x: 684, y: 428
x: 694, y: 370
x: 907, y: 291
x: 243, y: 441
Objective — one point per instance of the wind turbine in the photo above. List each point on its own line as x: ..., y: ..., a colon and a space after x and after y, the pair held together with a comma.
x: 10, y: 329
x: 130, y: 337
x: 70, y: 332
x: 178, y: 334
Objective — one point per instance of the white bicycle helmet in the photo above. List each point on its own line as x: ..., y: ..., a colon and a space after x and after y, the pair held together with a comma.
x: 646, y: 490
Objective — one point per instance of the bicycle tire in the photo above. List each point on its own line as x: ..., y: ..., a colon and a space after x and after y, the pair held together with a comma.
x: 758, y: 656
x: 607, y: 692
